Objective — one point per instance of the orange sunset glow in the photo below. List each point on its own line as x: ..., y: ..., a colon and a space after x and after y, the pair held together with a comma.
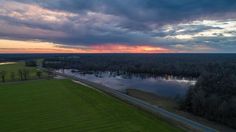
x: 44, y: 27
x: 14, y: 46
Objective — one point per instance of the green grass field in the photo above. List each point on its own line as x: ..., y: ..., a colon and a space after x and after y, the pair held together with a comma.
x: 64, y: 106
x: 167, y: 103
x: 9, y: 68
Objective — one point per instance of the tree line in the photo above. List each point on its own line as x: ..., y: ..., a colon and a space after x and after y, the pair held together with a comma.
x: 214, y: 95
x: 183, y: 65
x: 21, y: 74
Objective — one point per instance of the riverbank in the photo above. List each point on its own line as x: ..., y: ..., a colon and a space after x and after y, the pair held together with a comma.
x: 160, y: 101
x: 172, y: 106
x: 155, y: 110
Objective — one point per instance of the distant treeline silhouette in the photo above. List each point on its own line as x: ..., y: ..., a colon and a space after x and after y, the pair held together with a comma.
x: 186, y: 65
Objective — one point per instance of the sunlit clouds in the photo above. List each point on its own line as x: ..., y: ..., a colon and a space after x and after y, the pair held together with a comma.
x: 33, y: 13
x: 114, y: 26
x: 118, y: 48
x: 204, y: 28
x: 12, y: 46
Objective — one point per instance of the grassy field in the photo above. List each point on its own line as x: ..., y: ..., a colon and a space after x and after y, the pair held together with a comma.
x: 9, y: 68
x: 63, y: 106
x: 163, y: 102
x: 172, y: 106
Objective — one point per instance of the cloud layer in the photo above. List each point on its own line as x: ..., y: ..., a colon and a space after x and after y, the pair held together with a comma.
x: 176, y: 25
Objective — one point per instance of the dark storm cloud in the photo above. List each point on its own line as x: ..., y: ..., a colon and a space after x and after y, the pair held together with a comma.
x: 140, y: 13
x: 88, y: 22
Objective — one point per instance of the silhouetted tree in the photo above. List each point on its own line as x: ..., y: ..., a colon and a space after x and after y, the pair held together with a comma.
x: 3, y: 75
x: 20, y: 74
x: 39, y: 74
x: 31, y: 63
x: 25, y: 74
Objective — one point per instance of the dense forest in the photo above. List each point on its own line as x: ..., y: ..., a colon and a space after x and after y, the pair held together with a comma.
x: 214, y: 95
x: 186, y: 65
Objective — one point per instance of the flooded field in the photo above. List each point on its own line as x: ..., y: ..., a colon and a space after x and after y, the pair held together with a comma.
x: 164, y: 86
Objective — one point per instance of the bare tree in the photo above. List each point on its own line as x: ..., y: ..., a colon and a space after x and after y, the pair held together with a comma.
x: 13, y: 76
x: 20, y: 74
x: 39, y: 74
x: 3, y: 75
x: 25, y: 74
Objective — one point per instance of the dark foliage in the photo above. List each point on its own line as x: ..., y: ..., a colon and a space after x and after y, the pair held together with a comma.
x: 214, y: 95
x: 187, y: 65
x: 39, y: 74
x: 23, y: 74
x: 31, y: 63
x: 3, y: 75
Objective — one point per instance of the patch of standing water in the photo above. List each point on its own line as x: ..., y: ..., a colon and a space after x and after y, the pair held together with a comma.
x: 6, y: 63
x: 162, y: 86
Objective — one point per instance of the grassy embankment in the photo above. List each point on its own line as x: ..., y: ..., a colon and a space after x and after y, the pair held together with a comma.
x: 172, y: 106
x: 168, y: 104
x: 61, y: 105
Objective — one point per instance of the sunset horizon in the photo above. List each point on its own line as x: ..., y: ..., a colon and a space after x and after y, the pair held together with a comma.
x: 15, y: 46
x: 61, y: 26
x: 118, y: 65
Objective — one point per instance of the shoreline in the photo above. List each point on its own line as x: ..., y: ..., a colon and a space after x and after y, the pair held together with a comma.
x: 172, y: 106
x: 161, y: 112
x: 6, y: 63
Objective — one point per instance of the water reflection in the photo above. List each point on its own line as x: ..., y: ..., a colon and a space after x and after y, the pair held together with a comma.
x: 168, y: 86
x: 6, y: 63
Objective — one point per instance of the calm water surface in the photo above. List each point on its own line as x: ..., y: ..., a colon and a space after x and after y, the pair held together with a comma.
x: 163, y: 86
x: 6, y: 63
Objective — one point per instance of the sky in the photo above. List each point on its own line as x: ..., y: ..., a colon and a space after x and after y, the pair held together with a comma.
x: 117, y: 26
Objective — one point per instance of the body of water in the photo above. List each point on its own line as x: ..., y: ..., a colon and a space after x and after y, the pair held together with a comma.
x: 163, y: 86
x: 5, y: 63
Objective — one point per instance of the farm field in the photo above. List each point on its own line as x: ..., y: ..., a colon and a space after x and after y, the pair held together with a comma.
x: 61, y: 105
